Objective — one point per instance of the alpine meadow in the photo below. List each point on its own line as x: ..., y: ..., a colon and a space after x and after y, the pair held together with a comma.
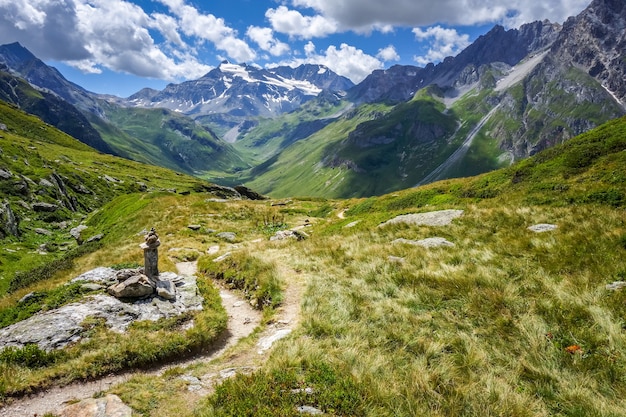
x: 445, y: 240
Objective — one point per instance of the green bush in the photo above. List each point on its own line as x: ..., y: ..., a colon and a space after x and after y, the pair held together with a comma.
x: 256, y: 278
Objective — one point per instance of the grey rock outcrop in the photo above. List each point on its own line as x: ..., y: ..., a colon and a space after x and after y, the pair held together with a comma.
x: 5, y: 174
x: 45, y: 207
x: 57, y: 328
x: 9, y: 223
x: 76, y: 233
x: 431, y: 242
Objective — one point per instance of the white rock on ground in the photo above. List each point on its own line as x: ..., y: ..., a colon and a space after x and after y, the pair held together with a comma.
x: 108, y: 406
x: 433, y: 218
x: 542, y: 227
x: 431, y: 242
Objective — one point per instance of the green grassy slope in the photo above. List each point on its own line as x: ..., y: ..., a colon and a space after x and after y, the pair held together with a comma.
x: 370, y: 151
x: 270, y: 136
x: 506, y: 322
x: 51, y: 109
x: 48, y: 166
x: 163, y: 138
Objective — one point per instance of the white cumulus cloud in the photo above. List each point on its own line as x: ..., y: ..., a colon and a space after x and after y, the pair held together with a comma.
x: 388, y: 53
x: 346, y: 60
x: 444, y: 43
x: 264, y: 37
x: 293, y: 23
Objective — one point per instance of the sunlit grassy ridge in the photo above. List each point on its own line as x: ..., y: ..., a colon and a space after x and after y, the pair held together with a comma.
x: 508, y: 322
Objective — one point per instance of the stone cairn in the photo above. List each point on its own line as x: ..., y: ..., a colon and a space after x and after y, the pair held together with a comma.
x: 144, y: 282
x: 151, y: 255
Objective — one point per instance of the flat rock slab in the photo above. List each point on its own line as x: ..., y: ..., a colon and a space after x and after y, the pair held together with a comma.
x: 266, y: 343
x: 543, y: 227
x: 109, y: 406
x: 57, y: 328
x: 431, y: 242
x: 433, y: 218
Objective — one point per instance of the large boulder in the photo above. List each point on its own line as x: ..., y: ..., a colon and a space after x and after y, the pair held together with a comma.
x: 137, y: 286
x: 433, y: 218
x: 9, y: 224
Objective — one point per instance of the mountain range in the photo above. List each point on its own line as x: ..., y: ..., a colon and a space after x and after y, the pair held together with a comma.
x: 308, y: 131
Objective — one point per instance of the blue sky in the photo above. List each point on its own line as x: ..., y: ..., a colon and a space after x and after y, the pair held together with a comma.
x: 120, y: 46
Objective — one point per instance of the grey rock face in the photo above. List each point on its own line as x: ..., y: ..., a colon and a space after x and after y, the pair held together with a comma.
x: 5, y: 174
x: 45, y: 207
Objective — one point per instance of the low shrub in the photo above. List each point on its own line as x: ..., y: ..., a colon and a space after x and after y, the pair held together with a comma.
x: 23, y: 279
x: 29, y: 356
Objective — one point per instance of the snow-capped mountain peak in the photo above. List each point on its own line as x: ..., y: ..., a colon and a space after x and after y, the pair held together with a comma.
x: 243, y: 90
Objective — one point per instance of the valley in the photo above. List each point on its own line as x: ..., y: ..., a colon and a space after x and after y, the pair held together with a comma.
x: 445, y: 240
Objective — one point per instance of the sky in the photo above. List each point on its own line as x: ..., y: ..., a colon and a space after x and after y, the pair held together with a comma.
x: 120, y: 46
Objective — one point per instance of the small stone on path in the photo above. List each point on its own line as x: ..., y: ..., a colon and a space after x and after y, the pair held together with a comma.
x: 265, y: 343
